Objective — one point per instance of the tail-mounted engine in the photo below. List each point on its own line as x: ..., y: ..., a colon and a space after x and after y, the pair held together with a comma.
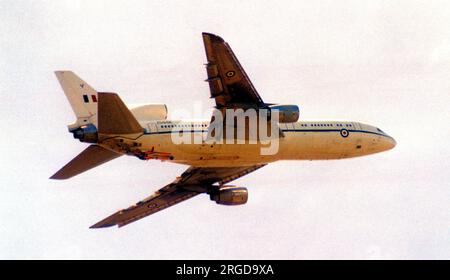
x: 230, y: 195
x: 86, y: 133
x: 150, y: 112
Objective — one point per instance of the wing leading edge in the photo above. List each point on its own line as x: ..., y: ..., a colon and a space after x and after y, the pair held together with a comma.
x: 193, y: 181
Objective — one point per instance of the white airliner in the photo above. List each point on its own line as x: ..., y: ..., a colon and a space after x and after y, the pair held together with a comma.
x: 145, y: 132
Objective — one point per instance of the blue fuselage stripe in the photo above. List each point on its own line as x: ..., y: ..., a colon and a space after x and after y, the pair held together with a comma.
x: 284, y: 130
x: 334, y: 130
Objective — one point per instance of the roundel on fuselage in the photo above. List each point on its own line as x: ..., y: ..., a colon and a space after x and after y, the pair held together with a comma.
x: 344, y: 132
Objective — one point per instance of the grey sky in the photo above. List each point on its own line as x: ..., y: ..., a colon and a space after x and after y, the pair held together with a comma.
x: 386, y: 63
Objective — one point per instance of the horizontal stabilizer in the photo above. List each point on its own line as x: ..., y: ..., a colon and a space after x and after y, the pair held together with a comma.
x: 91, y: 157
x: 114, y: 117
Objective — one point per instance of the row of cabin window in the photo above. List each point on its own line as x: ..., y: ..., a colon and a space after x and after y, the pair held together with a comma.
x: 204, y: 125
x: 326, y: 124
x: 183, y: 125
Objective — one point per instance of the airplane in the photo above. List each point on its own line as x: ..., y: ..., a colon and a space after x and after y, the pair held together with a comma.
x: 112, y: 130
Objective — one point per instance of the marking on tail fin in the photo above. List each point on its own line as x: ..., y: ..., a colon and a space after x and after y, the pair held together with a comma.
x: 86, y: 98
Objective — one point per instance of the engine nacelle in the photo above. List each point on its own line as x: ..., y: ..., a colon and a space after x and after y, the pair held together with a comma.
x: 230, y: 195
x: 86, y: 133
x: 287, y: 113
x: 150, y: 112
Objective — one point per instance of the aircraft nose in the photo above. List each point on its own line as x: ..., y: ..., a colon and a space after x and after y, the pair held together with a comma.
x: 389, y: 143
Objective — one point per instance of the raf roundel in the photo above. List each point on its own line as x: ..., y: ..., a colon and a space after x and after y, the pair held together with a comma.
x: 230, y: 74
x: 344, y: 133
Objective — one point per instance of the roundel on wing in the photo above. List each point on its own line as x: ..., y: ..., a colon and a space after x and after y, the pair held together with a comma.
x: 230, y: 74
x: 344, y: 133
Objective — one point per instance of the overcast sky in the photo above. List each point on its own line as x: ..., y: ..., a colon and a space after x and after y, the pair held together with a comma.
x: 386, y: 63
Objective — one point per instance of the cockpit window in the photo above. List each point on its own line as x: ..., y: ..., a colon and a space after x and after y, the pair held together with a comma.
x: 380, y: 130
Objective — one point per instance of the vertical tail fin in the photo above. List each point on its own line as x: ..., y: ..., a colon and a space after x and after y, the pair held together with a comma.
x: 82, y: 97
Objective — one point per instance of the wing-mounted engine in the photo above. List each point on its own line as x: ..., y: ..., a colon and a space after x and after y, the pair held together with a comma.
x: 150, y: 112
x: 230, y: 195
x: 287, y: 113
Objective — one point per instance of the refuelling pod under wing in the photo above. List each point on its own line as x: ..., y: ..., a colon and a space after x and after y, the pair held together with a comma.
x: 230, y: 195
x: 150, y: 112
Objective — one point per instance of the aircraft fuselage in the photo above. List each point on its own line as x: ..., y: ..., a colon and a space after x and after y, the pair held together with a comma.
x: 304, y: 140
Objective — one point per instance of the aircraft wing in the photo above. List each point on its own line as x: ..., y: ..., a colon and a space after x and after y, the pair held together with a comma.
x: 193, y: 181
x: 228, y: 82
